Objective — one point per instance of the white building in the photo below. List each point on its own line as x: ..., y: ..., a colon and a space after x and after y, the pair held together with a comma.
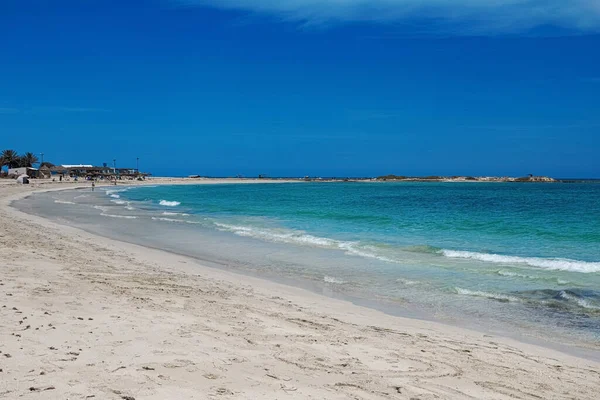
x: 31, y: 172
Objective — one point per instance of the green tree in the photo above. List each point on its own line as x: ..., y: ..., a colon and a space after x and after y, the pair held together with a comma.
x: 27, y: 160
x: 10, y: 158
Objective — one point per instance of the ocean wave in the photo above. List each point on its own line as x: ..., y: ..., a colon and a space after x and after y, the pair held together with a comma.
x: 113, y: 192
x: 168, y: 203
x: 407, y: 282
x: 81, y: 196
x: 488, y: 295
x: 422, y: 249
x: 516, y: 275
x: 130, y: 208
x: 334, y: 280
x: 63, y: 202
x: 119, y: 201
x: 364, y: 251
x: 301, y: 238
x: 570, y: 296
x: 174, y: 220
x: 563, y: 299
x: 118, y: 216
x: 561, y: 264
x: 175, y: 213
x: 512, y: 274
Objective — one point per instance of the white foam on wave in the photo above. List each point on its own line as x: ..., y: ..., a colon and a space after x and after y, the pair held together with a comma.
x: 119, y: 201
x: 81, y: 196
x: 488, y: 295
x: 168, y: 203
x: 118, y: 216
x: 63, y: 202
x: 407, y: 282
x: 113, y: 192
x: 561, y: 264
x: 174, y: 220
x: 333, y: 280
x: 175, y: 213
x: 278, y: 236
x: 511, y: 274
x: 301, y: 238
x: 130, y: 208
x: 363, y: 251
x: 581, y: 302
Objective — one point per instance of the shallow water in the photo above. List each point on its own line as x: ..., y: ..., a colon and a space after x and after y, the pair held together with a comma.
x: 503, y: 257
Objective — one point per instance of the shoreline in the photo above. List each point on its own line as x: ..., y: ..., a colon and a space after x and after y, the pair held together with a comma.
x: 586, y: 350
x: 337, y: 329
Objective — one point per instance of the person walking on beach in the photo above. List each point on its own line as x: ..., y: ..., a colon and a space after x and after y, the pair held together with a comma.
x: 93, y: 185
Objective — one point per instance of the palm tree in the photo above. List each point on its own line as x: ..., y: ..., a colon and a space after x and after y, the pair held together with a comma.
x: 27, y: 160
x: 10, y: 158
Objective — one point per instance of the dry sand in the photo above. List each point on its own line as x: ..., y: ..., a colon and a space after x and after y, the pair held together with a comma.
x: 84, y: 317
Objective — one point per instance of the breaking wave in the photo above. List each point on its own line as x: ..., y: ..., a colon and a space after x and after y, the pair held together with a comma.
x: 174, y: 220
x: 570, y: 296
x: 301, y: 238
x: 493, y: 296
x: 113, y: 192
x: 561, y: 264
x: 63, y: 202
x: 333, y: 280
x: 118, y: 216
x: 512, y: 274
x: 168, y: 203
x: 407, y: 282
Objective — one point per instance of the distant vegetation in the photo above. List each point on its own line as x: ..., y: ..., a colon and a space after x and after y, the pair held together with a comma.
x: 390, y: 177
x: 12, y: 159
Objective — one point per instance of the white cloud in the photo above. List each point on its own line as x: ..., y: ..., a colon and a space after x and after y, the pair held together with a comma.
x: 460, y: 16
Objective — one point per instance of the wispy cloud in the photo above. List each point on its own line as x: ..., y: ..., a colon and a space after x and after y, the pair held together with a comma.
x: 456, y: 16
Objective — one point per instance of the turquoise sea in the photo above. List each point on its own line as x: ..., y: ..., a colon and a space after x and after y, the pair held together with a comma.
x: 503, y: 257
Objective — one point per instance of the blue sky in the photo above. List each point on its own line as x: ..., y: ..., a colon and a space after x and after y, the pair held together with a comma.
x: 305, y: 87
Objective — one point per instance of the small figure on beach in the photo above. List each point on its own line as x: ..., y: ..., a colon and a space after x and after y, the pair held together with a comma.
x: 93, y: 185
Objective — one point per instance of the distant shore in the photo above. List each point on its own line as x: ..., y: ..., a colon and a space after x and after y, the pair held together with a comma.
x: 197, y: 179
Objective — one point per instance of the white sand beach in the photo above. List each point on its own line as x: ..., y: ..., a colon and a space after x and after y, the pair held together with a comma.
x: 86, y: 317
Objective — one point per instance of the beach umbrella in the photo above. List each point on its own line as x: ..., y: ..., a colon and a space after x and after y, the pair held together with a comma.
x: 24, y: 179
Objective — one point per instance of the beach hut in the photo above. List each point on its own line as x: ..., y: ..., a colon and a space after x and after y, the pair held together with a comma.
x: 44, y: 172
